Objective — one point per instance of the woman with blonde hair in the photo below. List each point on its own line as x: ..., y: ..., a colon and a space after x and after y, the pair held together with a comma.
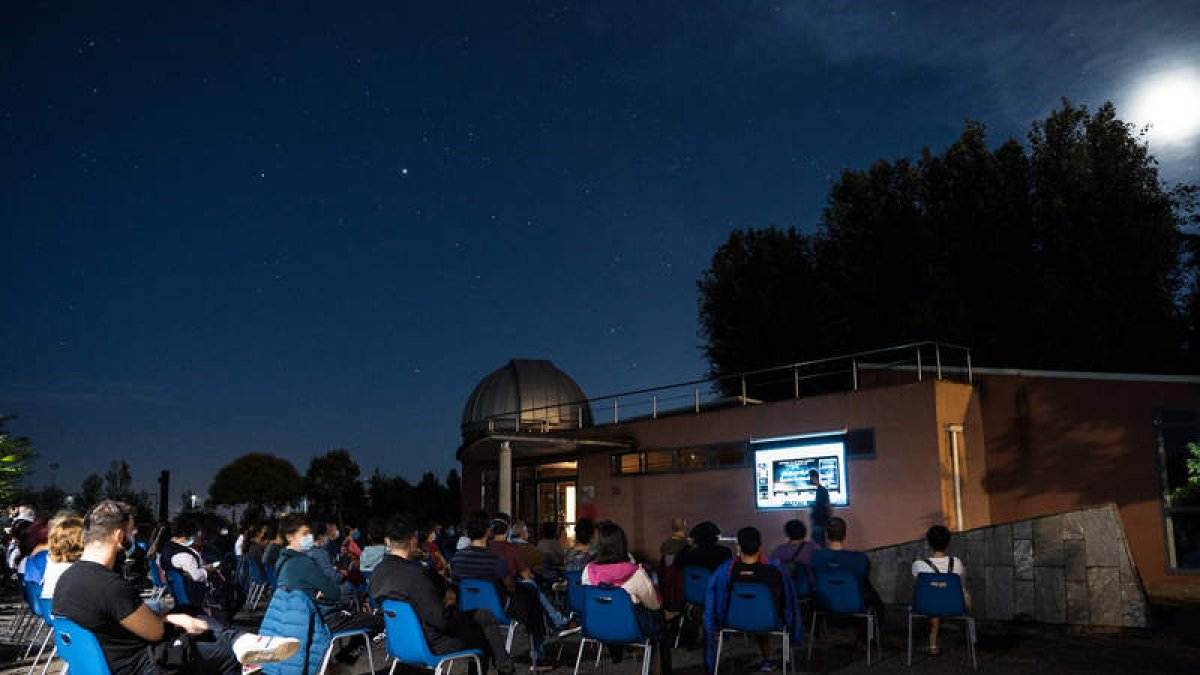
x: 66, y: 545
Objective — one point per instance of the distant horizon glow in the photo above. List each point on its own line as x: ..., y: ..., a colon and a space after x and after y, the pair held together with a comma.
x: 1169, y: 101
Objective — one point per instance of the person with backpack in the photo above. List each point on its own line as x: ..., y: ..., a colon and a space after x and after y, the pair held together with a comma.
x: 796, y: 555
x: 939, y: 562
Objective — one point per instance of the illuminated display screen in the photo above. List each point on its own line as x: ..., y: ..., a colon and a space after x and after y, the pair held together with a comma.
x: 782, y: 466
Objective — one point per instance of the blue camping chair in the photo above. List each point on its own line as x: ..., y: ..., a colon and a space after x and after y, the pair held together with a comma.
x: 406, y: 641
x: 839, y: 593
x: 178, y: 588
x: 258, y: 583
x: 481, y: 594
x: 45, y: 607
x: 316, y: 641
x: 575, y: 601
x: 156, y: 580
x: 79, y: 648
x: 695, y: 588
x: 40, y: 621
x: 608, y: 618
x: 940, y: 595
x: 752, y: 610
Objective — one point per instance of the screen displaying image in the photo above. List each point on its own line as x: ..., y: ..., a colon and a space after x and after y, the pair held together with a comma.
x: 782, y: 471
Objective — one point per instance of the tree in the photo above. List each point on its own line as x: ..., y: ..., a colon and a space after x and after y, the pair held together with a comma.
x: 259, y: 479
x: 118, y: 481
x: 16, y: 456
x: 90, y: 492
x: 389, y: 495
x: 333, y: 487
x: 453, y: 508
x: 1063, y: 253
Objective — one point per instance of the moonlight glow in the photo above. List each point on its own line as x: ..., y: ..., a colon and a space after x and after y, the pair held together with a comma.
x: 1170, y: 103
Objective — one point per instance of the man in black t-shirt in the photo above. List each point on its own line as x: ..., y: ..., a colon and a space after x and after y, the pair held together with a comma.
x: 135, y: 639
x: 750, y: 567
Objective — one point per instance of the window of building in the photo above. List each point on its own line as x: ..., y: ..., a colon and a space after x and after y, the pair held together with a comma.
x: 693, y: 458
x: 1178, y: 435
x: 729, y: 454
x: 628, y: 463
x: 659, y: 461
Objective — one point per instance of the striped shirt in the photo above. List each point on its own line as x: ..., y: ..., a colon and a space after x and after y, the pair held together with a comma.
x: 474, y: 562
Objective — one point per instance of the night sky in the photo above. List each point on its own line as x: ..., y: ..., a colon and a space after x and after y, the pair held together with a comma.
x: 230, y: 229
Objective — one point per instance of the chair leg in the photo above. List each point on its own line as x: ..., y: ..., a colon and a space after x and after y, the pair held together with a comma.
x: 370, y: 656
x: 599, y: 654
x: 787, y: 650
x: 32, y: 641
x: 720, y: 644
x: 41, y: 650
x: 971, y: 644
x: 53, y: 653
x: 870, y: 636
x: 512, y: 626
x: 393, y: 668
x: 579, y: 656
x: 328, y: 653
x: 647, y: 654
x: 812, y: 634
x: 908, y: 661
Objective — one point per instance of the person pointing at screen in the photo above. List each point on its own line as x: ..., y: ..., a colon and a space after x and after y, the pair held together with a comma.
x: 819, y: 516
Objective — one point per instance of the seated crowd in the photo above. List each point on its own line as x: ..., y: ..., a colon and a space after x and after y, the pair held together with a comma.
x: 81, y: 563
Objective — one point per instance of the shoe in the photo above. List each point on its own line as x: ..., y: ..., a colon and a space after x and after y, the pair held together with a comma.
x: 248, y: 669
x: 251, y: 648
x: 767, y: 666
x: 541, y: 667
x: 933, y: 650
x: 380, y: 638
x: 569, y: 628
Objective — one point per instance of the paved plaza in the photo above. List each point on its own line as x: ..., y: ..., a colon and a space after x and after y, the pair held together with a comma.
x: 1171, y: 645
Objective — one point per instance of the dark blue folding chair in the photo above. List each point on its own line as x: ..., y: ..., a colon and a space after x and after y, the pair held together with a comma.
x: 940, y: 595
x: 258, y: 582
x: 156, y: 579
x: 608, y: 618
x: 695, y: 588
x: 752, y: 609
x: 839, y: 593
x: 406, y: 642
x: 79, y: 648
x: 575, y: 602
x: 481, y: 594
x: 177, y: 588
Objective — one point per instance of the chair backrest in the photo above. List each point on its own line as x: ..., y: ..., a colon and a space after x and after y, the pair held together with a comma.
x: 838, y: 592
x: 939, y: 594
x: 608, y: 615
x: 801, y: 581
x: 33, y: 597
x: 177, y: 587
x: 257, y: 575
x: 481, y: 594
x: 293, y: 614
x: 156, y: 575
x: 575, y: 601
x: 405, y: 638
x: 751, y: 608
x: 79, y: 648
x: 695, y: 584
x: 272, y: 573
x: 47, y: 605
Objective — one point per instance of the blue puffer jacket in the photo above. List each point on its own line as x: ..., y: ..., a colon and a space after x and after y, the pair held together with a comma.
x: 292, y: 614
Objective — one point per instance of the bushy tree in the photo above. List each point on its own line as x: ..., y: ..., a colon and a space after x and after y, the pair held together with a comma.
x: 90, y: 492
x: 258, y: 479
x: 16, y: 458
x: 333, y: 487
x: 1066, y: 253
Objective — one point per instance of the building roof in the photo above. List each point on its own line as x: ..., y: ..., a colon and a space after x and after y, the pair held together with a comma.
x: 525, y: 394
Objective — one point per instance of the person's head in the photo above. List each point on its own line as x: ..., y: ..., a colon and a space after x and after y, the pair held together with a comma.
x: 399, y: 537
x: 320, y: 531
x: 585, y: 529
x: 499, y: 527
x: 66, y: 539
x: 938, y: 538
x: 706, y: 534
x: 477, y: 525
x: 679, y: 526
x: 549, y: 531
x: 814, y: 477
x: 184, y: 529
x: 431, y: 532
x: 375, y: 530
x: 107, y: 526
x: 795, y: 530
x: 331, y: 531
x: 37, y: 534
x: 611, y: 545
x: 520, y: 531
x: 297, y: 532
x: 835, y: 530
x: 749, y: 542
x: 270, y: 533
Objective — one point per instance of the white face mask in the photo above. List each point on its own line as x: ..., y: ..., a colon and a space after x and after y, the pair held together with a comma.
x: 306, y: 542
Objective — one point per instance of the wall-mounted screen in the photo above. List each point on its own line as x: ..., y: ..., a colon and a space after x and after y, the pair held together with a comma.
x: 782, y: 466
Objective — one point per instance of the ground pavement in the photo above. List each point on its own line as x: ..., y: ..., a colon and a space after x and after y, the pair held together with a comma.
x: 1171, y: 646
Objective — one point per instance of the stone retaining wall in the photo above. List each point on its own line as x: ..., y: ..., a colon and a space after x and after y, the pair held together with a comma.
x: 1069, y: 568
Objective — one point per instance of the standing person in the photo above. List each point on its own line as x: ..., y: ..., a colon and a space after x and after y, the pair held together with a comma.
x: 400, y: 576
x: 298, y: 571
x: 612, y: 566
x: 939, y: 561
x: 675, y: 543
x: 135, y: 639
x: 818, y: 518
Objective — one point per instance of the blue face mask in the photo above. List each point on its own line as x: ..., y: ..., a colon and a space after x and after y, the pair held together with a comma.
x: 306, y: 542
x: 357, y: 535
x: 190, y: 542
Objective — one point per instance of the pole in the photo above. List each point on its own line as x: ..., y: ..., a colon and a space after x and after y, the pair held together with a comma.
x: 164, y: 489
x: 505, y: 478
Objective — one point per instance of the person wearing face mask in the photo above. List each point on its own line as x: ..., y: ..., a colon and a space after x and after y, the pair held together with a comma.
x: 297, y: 570
x: 178, y: 555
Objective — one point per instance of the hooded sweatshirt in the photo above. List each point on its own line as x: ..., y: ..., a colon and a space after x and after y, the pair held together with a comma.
x: 631, y: 577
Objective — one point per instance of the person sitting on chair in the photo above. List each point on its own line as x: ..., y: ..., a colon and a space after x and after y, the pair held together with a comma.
x: 938, y: 538
x: 134, y: 638
x: 835, y: 557
x: 401, y: 576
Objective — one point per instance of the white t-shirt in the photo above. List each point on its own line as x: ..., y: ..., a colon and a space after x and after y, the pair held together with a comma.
x: 940, y: 565
x: 53, y: 571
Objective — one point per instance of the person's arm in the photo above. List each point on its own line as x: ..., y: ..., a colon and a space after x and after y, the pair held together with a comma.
x: 144, y: 623
x: 187, y: 563
x: 428, y: 604
x: 640, y: 587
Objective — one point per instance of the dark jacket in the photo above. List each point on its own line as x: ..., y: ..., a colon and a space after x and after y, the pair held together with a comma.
x: 196, y: 590
x: 298, y: 572
x: 396, y: 578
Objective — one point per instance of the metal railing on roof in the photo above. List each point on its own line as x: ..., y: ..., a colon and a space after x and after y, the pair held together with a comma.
x: 837, y: 374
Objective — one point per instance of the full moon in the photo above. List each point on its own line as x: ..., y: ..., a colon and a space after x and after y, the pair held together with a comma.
x: 1169, y: 102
